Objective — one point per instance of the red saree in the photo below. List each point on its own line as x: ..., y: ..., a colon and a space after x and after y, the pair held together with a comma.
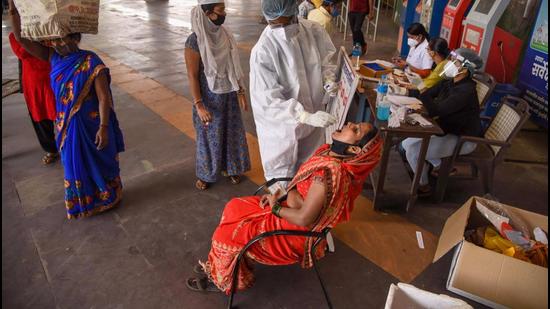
x: 243, y: 218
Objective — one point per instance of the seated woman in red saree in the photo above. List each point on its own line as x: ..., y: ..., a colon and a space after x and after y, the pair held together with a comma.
x: 321, y: 195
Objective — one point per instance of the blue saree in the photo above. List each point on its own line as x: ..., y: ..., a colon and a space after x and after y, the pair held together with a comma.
x: 92, y: 177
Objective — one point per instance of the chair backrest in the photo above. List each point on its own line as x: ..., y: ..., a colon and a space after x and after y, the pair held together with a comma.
x: 508, y: 121
x: 485, y: 85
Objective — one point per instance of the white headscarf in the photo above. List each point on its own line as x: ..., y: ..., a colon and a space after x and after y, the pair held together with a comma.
x: 218, y: 51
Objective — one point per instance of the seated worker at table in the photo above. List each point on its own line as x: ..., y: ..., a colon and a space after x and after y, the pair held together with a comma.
x: 325, y: 13
x: 418, y: 60
x: 321, y: 195
x: 454, y: 104
x: 438, y: 49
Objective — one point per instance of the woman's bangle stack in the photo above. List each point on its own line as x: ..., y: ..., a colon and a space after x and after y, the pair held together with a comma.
x: 276, y: 209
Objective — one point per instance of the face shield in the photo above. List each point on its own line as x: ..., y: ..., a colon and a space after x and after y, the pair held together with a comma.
x: 455, y: 66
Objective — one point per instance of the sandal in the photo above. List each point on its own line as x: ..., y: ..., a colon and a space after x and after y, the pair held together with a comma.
x: 435, y: 172
x: 201, y: 185
x: 201, y: 285
x: 235, y: 179
x: 197, y: 269
x: 424, y: 191
x: 50, y: 158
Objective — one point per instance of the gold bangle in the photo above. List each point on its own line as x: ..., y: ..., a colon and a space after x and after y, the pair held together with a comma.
x: 197, y: 101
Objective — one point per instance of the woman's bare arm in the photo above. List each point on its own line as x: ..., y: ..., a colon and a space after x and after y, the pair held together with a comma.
x: 101, y: 85
x: 192, y: 61
x: 294, y: 199
x: 311, y: 207
x: 34, y: 48
x: 422, y: 72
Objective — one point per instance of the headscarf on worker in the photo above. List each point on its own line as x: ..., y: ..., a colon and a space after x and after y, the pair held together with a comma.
x: 218, y: 50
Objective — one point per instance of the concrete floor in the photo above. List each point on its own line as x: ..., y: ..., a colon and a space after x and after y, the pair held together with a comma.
x: 139, y: 255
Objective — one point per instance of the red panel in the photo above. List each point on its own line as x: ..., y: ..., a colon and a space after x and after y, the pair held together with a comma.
x: 476, y: 46
x: 512, y: 47
x: 452, y: 21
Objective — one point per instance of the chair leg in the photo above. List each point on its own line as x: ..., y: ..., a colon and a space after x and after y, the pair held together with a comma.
x: 487, y: 175
x: 235, y: 275
x: 490, y: 179
x: 327, y: 298
x: 443, y: 179
x: 475, y: 170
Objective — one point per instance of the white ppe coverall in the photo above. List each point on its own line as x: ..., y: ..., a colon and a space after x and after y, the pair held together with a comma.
x: 288, y: 70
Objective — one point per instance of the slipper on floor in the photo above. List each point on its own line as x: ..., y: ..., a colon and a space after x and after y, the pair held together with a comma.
x: 435, y: 172
x: 201, y: 285
x: 198, y: 270
x: 235, y: 179
x: 50, y: 158
x: 201, y: 185
x: 424, y: 193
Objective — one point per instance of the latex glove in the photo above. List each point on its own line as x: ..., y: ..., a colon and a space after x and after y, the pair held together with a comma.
x: 396, y: 90
x: 331, y: 88
x: 319, y: 119
x: 397, y: 117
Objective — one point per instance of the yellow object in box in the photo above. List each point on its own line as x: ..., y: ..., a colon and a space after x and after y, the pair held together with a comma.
x: 493, y: 241
x: 374, y: 69
x: 488, y: 277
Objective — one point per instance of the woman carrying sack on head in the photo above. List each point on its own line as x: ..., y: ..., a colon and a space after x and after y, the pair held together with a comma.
x: 88, y: 136
x: 216, y: 82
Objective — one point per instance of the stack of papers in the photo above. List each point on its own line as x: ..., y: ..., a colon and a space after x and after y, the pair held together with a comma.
x: 402, y: 101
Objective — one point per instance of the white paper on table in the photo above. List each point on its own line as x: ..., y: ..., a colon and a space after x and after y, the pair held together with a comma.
x: 402, y: 100
x: 397, y: 117
x: 385, y: 63
x: 421, y: 120
x: 395, y: 89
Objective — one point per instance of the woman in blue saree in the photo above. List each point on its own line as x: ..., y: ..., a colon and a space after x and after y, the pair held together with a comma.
x: 87, y: 133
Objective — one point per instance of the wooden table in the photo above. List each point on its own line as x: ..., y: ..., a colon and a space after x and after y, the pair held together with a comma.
x: 367, y: 113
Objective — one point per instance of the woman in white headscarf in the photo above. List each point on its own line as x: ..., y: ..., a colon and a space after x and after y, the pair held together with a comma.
x: 215, y: 81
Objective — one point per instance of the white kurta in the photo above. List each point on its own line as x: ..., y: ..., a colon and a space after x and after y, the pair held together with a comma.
x: 419, y: 57
x: 285, y: 73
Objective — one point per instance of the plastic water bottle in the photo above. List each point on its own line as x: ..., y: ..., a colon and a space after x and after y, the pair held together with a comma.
x: 382, y: 89
x: 382, y: 105
x: 356, y: 55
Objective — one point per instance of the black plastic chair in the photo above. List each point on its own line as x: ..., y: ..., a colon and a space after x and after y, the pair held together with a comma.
x: 503, y: 128
x: 320, y: 236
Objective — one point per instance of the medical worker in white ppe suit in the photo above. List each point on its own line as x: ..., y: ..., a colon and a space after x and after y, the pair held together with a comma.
x: 290, y: 72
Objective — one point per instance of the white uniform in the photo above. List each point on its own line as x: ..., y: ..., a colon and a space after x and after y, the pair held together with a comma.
x: 419, y: 58
x: 285, y: 73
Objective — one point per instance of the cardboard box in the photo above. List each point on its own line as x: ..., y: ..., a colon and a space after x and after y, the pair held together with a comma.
x: 410, y: 297
x: 490, y: 278
x: 374, y: 69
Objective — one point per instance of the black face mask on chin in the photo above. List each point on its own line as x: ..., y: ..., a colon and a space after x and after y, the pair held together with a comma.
x: 340, y: 147
x: 220, y: 20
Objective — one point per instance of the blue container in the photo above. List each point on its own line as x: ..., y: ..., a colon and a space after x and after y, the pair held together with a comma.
x: 501, y: 90
x: 383, y: 111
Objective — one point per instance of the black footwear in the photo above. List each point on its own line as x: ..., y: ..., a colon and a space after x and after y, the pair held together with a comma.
x: 424, y: 191
x: 201, y: 285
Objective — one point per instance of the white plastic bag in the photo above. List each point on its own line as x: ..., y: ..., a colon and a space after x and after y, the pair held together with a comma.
x: 49, y: 19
